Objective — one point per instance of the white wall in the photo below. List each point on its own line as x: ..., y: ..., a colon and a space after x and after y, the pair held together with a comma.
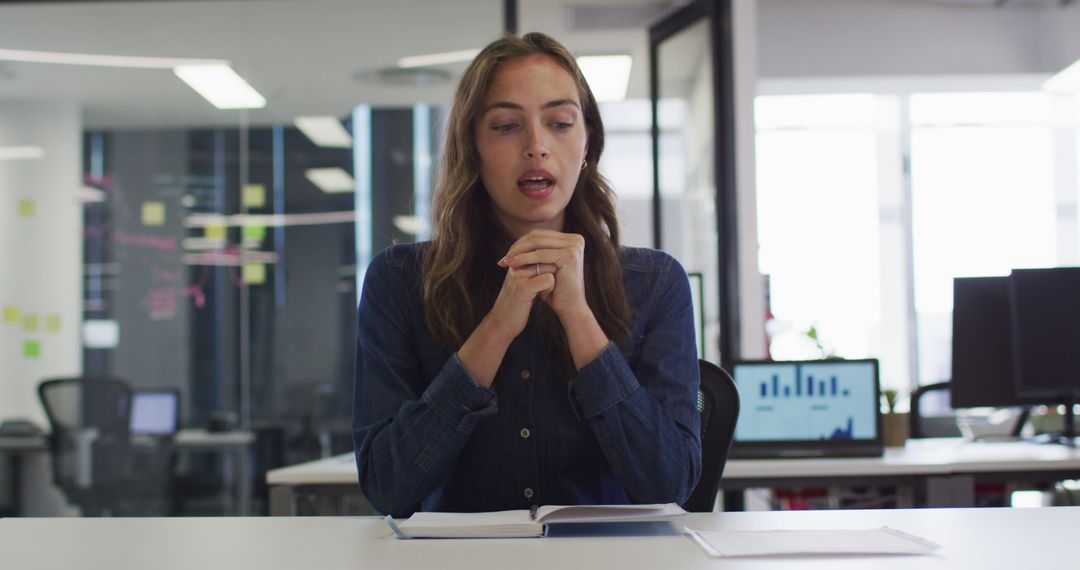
x: 40, y: 253
x: 808, y: 38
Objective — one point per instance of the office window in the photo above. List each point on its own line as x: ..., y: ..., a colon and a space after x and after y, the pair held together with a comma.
x: 994, y: 184
x: 819, y: 181
x: 983, y: 201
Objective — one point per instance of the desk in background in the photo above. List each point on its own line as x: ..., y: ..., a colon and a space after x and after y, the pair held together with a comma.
x: 971, y: 539
x: 235, y: 445
x: 945, y: 469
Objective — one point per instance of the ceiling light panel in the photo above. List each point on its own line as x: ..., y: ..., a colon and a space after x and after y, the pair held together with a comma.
x: 221, y: 86
x: 324, y: 131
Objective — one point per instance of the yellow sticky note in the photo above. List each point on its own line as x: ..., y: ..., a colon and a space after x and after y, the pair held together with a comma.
x: 29, y: 323
x: 26, y: 208
x: 11, y: 314
x: 254, y: 273
x: 253, y: 196
x: 52, y: 323
x: 153, y: 213
x: 214, y: 232
x: 31, y: 349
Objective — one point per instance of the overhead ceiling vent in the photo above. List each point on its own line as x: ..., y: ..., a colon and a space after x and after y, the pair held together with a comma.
x: 614, y: 17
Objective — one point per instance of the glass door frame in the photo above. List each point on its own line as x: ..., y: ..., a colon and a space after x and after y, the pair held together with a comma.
x: 719, y: 15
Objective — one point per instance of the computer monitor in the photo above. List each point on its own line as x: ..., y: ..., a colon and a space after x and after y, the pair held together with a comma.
x: 1046, y: 336
x: 808, y: 408
x: 155, y: 412
x: 982, y: 345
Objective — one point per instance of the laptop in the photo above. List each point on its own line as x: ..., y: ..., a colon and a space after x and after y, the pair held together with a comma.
x: 155, y: 412
x: 809, y: 408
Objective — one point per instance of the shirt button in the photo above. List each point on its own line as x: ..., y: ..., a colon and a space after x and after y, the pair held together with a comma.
x: 525, y: 374
x: 525, y: 433
x: 528, y: 493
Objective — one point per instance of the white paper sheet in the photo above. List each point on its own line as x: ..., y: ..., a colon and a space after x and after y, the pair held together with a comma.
x: 884, y: 540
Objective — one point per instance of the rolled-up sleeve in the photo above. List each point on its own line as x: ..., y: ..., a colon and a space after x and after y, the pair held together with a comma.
x: 645, y: 416
x: 407, y: 436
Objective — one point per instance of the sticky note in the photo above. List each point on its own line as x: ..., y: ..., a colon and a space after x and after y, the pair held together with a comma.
x: 153, y: 213
x: 254, y: 273
x: 29, y: 323
x: 254, y: 232
x: 26, y: 208
x: 11, y: 314
x: 31, y: 349
x: 214, y: 232
x: 52, y: 323
x: 253, y: 196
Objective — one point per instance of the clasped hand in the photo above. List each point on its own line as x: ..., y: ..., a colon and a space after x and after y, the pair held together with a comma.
x: 545, y: 264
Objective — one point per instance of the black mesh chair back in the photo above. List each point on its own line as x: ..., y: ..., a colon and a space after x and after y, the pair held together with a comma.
x: 94, y: 461
x: 718, y: 404
x: 921, y: 424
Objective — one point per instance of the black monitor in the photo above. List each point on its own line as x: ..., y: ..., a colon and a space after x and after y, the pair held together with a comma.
x: 982, y: 345
x: 1046, y: 336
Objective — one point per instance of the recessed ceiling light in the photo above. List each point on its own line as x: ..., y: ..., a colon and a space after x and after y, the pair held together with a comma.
x: 324, y: 131
x: 1064, y: 81
x: 608, y: 75
x: 330, y: 180
x: 221, y: 86
x: 438, y: 58
x: 21, y: 152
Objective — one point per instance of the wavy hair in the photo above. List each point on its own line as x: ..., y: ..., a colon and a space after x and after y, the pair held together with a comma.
x: 460, y: 277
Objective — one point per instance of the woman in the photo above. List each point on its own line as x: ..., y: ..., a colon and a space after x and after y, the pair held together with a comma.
x: 522, y: 357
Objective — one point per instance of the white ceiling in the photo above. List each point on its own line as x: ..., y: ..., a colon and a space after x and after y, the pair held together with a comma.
x: 302, y: 55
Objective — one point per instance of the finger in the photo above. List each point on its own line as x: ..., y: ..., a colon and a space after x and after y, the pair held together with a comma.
x: 556, y: 257
x: 528, y: 280
x: 543, y: 239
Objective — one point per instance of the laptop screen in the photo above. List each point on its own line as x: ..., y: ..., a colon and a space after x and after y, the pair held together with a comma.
x: 155, y: 411
x: 820, y: 407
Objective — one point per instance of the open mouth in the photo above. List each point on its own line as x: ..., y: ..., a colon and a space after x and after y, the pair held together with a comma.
x: 536, y: 183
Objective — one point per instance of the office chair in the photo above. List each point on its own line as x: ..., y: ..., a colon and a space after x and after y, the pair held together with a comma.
x: 718, y: 404
x: 95, y: 463
x: 919, y: 425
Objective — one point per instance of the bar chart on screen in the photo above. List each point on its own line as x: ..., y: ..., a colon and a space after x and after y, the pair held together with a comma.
x: 815, y: 401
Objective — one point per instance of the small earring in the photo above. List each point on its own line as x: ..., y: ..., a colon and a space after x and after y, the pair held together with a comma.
x: 584, y: 163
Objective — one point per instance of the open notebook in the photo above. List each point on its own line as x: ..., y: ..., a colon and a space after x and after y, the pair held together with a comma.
x: 522, y: 523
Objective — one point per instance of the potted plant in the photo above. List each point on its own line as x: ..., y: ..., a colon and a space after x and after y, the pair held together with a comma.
x: 894, y: 423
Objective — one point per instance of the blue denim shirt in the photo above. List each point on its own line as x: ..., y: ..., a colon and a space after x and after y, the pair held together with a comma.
x: 624, y: 429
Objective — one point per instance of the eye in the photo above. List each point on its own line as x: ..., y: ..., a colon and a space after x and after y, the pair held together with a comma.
x: 504, y: 127
x: 561, y: 126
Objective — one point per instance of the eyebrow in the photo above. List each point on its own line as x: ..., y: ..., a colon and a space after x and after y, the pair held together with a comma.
x: 516, y: 107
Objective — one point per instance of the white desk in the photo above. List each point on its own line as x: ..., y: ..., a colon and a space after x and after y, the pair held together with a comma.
x: 971, y: 539
x: 949, y: 467
x: 235, y: 445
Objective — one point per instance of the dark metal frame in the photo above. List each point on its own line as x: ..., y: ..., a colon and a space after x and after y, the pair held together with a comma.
x: 719, y: 15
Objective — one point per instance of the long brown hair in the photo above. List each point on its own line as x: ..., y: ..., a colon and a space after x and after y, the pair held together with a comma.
x: 460, y: 277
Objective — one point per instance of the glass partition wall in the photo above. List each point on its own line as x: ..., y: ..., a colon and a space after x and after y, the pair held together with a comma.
x: 208, y: 245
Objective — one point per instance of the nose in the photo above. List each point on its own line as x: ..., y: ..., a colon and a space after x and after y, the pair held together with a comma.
x: 536, y: 145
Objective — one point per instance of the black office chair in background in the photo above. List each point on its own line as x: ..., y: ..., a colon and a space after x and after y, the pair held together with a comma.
x: 921, y: 424
x: 95, y: 462
x: 718, y: 404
